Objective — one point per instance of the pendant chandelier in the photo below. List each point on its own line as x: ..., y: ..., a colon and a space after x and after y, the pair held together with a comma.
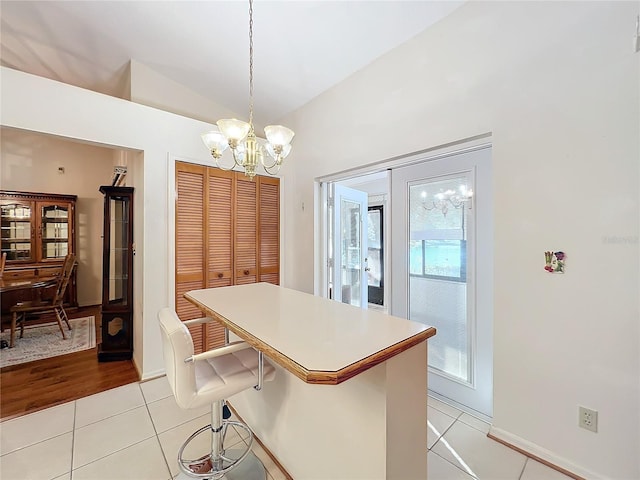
x: 240, y: 138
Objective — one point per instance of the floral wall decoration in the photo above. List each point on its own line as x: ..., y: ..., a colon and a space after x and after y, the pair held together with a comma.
x: 554, y: 262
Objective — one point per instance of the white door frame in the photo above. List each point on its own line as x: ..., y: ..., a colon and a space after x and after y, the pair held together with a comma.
x: 476, y: 165
x: 321, y: 198
x: 321, y: 201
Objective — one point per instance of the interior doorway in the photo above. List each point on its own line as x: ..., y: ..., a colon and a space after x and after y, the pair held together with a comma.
x: 375, y: 254
x: 356, y: 240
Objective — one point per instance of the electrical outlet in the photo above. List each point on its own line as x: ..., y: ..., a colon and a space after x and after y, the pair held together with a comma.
x: 588, y: 419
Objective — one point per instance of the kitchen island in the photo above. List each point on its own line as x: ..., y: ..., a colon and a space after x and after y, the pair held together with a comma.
x: 349, y: 400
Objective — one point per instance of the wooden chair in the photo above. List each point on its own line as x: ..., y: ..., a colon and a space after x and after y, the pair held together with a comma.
x: 19, y: 311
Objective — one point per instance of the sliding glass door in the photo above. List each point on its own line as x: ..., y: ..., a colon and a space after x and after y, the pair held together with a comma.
x: 441, y: 269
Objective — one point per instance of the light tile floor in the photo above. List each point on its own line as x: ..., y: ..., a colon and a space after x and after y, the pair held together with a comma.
x: 131, y: 432
x: 460, y: 449
x: 134, y: 432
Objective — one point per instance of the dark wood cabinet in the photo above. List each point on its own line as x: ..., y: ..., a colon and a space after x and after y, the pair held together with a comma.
x: 37, y: 232
x: 117, y: 275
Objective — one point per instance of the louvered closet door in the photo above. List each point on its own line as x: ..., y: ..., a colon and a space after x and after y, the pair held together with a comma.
x: 221, y: 189
x: 269, y: 229
x: 227, y: 233
x: 190, y: 242
x: 245, y: 254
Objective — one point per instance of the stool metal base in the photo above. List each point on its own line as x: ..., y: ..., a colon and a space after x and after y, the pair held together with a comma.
x: 251, y: 468
x: 236, y: 463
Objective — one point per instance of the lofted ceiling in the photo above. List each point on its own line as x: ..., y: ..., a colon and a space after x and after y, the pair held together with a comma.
x: 301, y: 48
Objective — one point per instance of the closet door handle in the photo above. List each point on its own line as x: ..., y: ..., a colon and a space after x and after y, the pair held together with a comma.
x: 246, y: 272
x: 220, y: 275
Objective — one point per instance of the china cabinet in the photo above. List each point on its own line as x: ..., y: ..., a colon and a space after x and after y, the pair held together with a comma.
x: 37, y: 232
x: 117, y: 275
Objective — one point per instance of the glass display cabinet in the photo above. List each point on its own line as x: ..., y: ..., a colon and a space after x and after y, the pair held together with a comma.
x: 37, y: 231
x: 16, y: 230
x: 54, y: 231
x: 36, y: 227
x: 117, y: 278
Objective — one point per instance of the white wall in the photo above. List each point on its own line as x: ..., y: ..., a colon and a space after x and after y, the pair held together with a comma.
x: 148, y: 87
x: 556, y: 84
x: 40, y: 105
x: 30, y: 164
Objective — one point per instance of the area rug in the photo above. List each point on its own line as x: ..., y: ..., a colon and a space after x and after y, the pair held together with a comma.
x: 45, y: 341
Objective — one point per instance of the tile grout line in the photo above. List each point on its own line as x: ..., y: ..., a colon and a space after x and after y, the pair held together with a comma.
x: 39, y: 441
x: 178, y: 424
x: 155, y: 430
x: 184, y: 423
x: 111, y: 416
x: 460, y: 412
x: 114, y: 452
x: 526, y: 461
x: 34, y: 444
x: 474, y: 427
x: 120, y: 449
x: 73, y: 438
x: 443, y: 433
x: 108, y: 417
x: 457, y: 466
x: 452, y: 464
x: 455, y: 419
x: 442, y: 436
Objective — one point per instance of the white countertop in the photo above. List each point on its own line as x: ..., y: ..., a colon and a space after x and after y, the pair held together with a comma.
x: 316, y: 333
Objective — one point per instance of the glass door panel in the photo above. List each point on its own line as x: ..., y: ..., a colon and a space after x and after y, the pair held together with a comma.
x: 351, y: 252
x: 437, y: 275
x: 118, y: 251
x: 375, y: 255
x: 350, y: 246
x: 55, y: 231
x: 17, y: 231
x: 442, y: 269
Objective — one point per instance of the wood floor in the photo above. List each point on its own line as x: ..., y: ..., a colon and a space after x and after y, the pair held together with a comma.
x: 29, y: 387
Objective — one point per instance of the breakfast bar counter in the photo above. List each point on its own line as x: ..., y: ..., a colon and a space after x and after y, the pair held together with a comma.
x: 350, y: 396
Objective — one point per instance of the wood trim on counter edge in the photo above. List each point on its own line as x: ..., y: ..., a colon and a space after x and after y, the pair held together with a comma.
x: 318, y: 377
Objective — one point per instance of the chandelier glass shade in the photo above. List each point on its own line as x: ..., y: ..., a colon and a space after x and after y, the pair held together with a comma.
x: 247, y: 150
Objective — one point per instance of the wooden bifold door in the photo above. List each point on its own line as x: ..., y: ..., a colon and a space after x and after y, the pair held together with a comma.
x: 227, y: 233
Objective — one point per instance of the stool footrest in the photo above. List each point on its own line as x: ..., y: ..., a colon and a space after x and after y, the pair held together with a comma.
x: 207, y: 467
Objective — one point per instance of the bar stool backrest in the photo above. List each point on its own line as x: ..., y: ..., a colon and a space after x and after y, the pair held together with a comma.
x: 177, y: 345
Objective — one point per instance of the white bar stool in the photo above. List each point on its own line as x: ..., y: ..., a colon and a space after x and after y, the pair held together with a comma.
x: 209, y: 378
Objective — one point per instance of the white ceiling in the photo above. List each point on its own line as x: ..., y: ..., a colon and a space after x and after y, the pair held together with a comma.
x: 301, y: 48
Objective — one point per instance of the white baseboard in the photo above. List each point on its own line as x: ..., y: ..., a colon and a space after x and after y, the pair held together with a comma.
x: 544, y: 454
x: 461, y: 407
x: 151, y: 375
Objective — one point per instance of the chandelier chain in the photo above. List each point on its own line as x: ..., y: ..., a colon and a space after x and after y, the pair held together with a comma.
x: 247, y: 150
x: 251, y: 65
